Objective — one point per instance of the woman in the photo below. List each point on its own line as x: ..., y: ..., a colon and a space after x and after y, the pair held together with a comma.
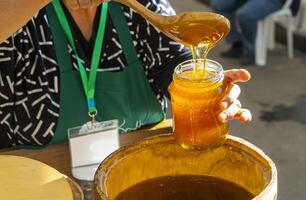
x: 41, y: 92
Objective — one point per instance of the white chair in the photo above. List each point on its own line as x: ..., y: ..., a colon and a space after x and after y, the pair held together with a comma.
x: 265, y: 38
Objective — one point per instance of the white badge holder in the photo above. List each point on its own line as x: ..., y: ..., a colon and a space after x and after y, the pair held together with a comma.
x: 89, y: 145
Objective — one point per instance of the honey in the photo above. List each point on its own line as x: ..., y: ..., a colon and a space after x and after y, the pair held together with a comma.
x: 194, y: 28
x: 237, y: 162
x: 195, y: 98
x: 196, y: 105
x: 200, y: 31
x: 184, y: 187
x: 198, y: 53
x: 197, y: 89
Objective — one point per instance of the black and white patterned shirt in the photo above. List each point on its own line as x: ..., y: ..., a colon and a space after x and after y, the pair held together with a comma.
x: 29, y: 73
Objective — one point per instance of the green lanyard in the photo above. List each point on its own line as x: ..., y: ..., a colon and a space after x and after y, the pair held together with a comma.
x: 88, y: 84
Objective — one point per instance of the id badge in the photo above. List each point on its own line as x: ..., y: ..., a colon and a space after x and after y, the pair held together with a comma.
x: 89, y: 145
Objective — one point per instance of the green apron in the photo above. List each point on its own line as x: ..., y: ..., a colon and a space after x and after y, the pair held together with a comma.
x: 125, y: 95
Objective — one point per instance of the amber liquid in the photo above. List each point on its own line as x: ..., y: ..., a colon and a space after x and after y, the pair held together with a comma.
x: 192, y: 29
x: 195, y: 107
x: 185, y: 187
x: 196, y: 103
x: 200, y: 53
x: 200, y: 32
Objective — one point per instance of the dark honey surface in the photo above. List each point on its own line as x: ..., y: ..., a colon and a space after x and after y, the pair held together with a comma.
x: 185, y: 187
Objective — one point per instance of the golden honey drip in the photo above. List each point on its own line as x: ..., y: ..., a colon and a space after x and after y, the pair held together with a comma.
x: 200, y: 31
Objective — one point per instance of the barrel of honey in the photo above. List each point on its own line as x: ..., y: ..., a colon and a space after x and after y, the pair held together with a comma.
x: 158, y: 168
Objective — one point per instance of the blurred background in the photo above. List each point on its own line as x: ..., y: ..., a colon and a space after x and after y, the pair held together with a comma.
x: 276, y: 95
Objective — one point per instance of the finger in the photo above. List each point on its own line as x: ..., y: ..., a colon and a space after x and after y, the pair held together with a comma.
x: 230, y: 112
x: 236, y: 75
x: 244, y: 115
x: 231, y: 96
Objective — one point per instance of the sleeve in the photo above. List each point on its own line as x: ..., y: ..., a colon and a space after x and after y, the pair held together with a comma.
x: 27, y: 97
x: 160, y: 54
x: 7, y: 79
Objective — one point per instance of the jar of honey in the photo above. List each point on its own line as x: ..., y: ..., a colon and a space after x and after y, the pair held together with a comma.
x: 196, y: 104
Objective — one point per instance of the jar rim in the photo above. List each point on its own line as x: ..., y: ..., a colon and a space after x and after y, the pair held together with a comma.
x: 211, y: 65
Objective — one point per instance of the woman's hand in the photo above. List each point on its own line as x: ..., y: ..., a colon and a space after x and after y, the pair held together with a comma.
x: 77, y: 4
x: 231, y: 104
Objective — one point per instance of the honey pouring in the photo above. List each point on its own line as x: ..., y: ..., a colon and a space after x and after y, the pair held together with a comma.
x: 195, y: 90
x: 200, y: 31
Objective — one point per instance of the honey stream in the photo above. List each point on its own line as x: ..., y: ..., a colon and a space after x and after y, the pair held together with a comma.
x: 200, y: 31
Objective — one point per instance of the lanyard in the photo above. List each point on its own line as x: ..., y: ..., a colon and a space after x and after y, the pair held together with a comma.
x: 88, y: 83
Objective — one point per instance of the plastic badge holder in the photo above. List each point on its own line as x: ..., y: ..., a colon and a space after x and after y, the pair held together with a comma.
x: 89, y: 145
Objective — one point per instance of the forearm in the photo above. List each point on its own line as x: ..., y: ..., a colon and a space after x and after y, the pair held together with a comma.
x: 15, y: 13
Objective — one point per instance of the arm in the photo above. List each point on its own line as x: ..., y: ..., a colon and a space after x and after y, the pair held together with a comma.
x: 15, y: 13
x: 23, y: 74
x: 7, y: 80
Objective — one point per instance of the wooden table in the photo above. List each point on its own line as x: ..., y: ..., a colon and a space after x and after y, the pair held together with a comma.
x: 58, y: 157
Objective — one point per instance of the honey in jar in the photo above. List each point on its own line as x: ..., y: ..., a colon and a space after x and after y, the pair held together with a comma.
x: 195, y: 92
x: 197, y: 89
x: 196, y: 105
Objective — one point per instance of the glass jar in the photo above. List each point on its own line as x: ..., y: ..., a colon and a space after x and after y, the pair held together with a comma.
x: 196, y: 105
